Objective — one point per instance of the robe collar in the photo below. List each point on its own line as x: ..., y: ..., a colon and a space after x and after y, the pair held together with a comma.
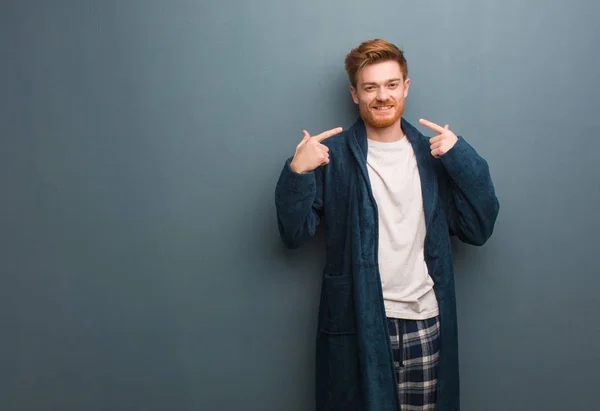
x: 359, y: 147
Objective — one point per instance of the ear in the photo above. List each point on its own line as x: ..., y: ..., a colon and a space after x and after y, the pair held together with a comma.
x: 406, y: 87
x: 354, y: 94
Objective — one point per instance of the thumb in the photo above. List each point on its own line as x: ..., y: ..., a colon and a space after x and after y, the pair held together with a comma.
x: 304, y: 139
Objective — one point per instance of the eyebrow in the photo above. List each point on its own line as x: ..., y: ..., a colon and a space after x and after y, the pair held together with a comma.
x: 387, y: 81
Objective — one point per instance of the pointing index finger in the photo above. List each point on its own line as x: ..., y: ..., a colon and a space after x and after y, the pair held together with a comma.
x: 437, y: 128
x: 326, y: 134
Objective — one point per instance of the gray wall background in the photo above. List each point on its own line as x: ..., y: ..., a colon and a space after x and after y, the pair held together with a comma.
x: 140, y: 264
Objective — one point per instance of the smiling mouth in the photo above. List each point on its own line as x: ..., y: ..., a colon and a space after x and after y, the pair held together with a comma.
x: 382, y: 108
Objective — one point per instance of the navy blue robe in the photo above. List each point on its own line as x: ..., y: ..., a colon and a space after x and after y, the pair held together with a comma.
x: 354, y: 364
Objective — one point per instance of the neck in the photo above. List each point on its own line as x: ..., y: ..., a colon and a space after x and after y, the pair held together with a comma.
x: 387, y: 134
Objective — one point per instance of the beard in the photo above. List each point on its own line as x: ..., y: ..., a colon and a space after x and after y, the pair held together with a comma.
x: 370, y: 115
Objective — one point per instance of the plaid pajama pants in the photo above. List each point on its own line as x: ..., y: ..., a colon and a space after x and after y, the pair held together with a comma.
x: 415, y: 347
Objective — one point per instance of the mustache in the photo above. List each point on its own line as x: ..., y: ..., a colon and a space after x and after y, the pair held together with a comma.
x: 382, y: 104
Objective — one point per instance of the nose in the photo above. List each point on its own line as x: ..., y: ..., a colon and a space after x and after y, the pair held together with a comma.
x: 382, y: 94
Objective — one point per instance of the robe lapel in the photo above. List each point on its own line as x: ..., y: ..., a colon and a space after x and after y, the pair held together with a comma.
x: 363, y: 203
x: 429, y: 183
x: 358, y: 146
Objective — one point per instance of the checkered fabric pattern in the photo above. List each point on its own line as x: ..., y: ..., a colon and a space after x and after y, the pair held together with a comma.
x: 415, y: 347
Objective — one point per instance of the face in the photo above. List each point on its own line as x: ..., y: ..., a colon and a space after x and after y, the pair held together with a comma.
x: 380, y: 93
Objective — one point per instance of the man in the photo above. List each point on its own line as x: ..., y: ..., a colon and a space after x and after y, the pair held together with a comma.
x: 389, y: 200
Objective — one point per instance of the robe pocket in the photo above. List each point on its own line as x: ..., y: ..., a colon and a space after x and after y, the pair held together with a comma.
x: 336, y: 315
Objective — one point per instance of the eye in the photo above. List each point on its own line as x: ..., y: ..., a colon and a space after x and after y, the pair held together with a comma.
x: 369, y: 88
x: 393, y: 85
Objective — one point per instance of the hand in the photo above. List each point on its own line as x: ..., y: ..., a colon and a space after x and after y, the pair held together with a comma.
x: 310, y: 153
x: 443, y: 142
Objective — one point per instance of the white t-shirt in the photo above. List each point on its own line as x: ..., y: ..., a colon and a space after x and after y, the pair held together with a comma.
x: 407, y: 286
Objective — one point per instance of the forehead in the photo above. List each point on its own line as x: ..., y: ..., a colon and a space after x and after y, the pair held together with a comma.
x: 379, y: 72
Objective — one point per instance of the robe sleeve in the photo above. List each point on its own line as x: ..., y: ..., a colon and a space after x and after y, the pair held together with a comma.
x: 299, y: 205
x: 473, y: 205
